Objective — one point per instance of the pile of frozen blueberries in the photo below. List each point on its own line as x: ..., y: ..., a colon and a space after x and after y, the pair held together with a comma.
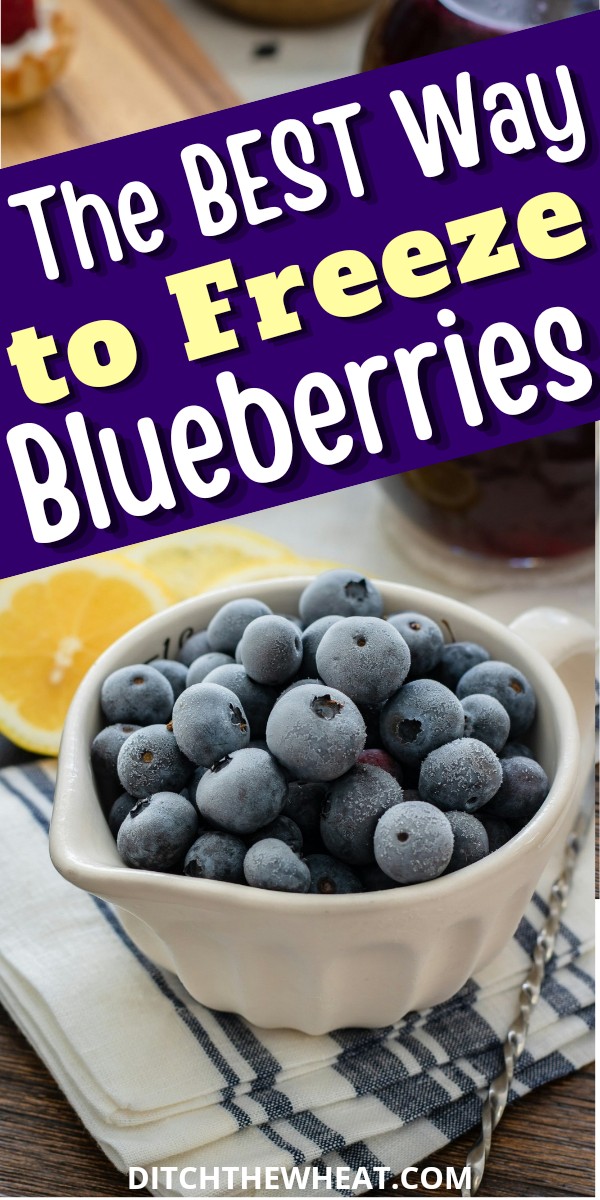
x: 335, y: 751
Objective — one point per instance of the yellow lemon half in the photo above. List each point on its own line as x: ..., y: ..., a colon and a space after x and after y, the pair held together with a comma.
x: 53, y: 625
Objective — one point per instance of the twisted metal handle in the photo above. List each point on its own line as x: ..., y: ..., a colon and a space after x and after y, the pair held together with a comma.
x: 497, y: 1095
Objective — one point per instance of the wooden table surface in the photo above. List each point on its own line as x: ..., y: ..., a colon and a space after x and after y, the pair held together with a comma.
x: 136, y: 67
x: 544, y: 1147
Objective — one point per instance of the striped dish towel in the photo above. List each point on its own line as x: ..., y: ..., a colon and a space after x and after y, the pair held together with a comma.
x: 161, y: 1081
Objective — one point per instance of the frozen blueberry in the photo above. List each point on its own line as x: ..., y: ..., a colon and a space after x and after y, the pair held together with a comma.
x: 328, y: 877
x: 119, y: 810
x: 282, y: 828
x: 346, y: 593
x: 303, y: 805
x: 158, y: 832
x: 271, y: 649
x: 311, y: 640
x: 209, y: 722
x: 352, y: 809
x: 216, y: 856
x: 175, y: 672
x: 420, y: 717
x: 508, y: 685
x: 202, y: 666
x: 227, y: 626
x: 515, y: 750
x: 424, y: 639
x: 413, y: 842
x: 365, y: 658
x: 486, y: 719
x: 273, y: 864
x: 470, y: 840
x: 150, y: 761
x: 317, y: 733
x: 380, y: 758
x: 499, y: 832
x: 137, y: 695
x: 460, y: 775
x: 104, y: 753
x: 243, y: 791
x: 523, y: 789
x: 256, y: 699
x: 456, y: 659
x: 193, y: 647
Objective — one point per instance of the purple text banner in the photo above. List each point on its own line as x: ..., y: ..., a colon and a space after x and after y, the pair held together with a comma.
x: 300, y: 294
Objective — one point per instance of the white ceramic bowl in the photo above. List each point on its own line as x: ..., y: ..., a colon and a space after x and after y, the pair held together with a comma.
x: 312, y: 962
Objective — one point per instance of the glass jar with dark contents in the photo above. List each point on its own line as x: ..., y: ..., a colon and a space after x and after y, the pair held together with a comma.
x: 521, y: 503
x: 524, y: 504
x: 404, y: 29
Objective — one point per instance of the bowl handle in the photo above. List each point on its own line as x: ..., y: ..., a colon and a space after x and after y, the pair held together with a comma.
x: 568, y: 643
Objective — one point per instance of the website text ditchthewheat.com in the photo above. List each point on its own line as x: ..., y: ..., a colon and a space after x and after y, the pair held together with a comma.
x: 310, y: 1179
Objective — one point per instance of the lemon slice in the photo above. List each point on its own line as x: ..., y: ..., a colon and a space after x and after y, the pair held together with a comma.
x: 198, y: 560
x: 53, y: 625
x: 278, y: 569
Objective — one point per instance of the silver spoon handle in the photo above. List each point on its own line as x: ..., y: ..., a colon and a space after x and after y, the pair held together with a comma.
x: 497, y: 1095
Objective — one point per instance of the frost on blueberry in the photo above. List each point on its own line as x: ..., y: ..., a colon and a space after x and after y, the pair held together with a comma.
x: 158, y: 832
x: 353, y: 807
x: 486, y: 719
x: 413, y: 842
x: 471, y: 841
x: 333, y: 751
x: 193, y: 647
x: 456, y: 659
x: 341, y: 592
x: 508, y: 685
x: 273, y: 864
x: 137, y: 695
x: 464, y: 775
x: 150, y: 761
x: 316, y: 733
x: 242, y: 792
x: 311, y: 640
x: 271, y: 650
x: 364, y: 657
x: 204, y: 665
x: 216, y: 855
x: 175, y: 672
x: 228, y: 624
x: 424, y: 639
x: 209, y: 722
x: 420, y: 717
x: 256, y: 699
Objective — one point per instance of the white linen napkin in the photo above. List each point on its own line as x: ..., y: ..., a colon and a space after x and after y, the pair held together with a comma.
x: 161, y: 1081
